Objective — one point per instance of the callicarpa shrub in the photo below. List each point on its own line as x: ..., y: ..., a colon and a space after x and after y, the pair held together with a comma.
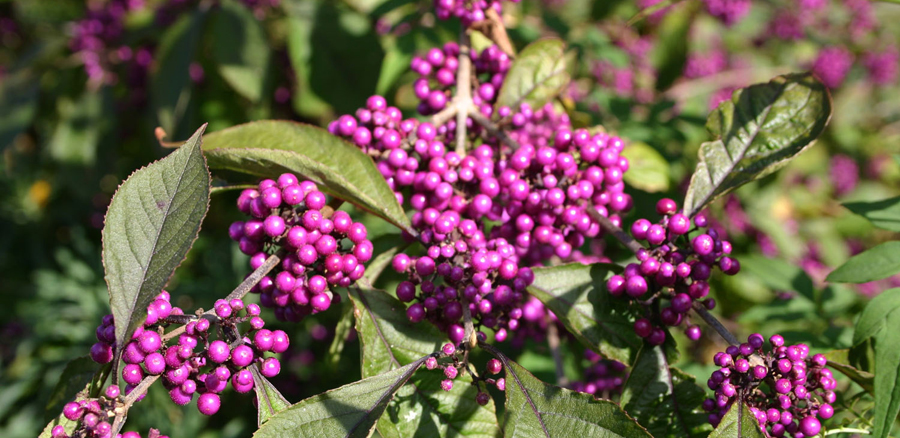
x: 480, y: 235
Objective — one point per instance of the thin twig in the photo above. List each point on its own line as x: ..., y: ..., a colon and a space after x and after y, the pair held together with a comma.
x: 553, y: 342
x: 611, y: 228
x: 445, y: 114
x: 131, y: 399
x: 496, y: 31
x: 463, y: 98
x: 847, y: 430
x: 493, y: 129
x: 715, y: 324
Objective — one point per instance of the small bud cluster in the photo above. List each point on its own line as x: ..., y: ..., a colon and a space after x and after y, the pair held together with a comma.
x: 325, y: 247
x: 468, y: 11
x: 197, y: 363
x: 602, y: 378
x: 675, y: 268
x: 787, y: 389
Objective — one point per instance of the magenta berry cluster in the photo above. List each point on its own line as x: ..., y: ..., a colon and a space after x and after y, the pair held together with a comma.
x: 602, y: 378
x: 467, y: 11
x: 197, y: 363
x: 325, y: 248
x: 457, y: 365
x: 93, y: 415
x: 437, y: 70
x: 675, y: 268
x: 787, y: 389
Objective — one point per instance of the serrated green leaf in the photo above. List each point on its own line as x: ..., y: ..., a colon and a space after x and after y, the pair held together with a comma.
x: 348, y: 411
x: 883, y: 214
x: 880, y: 321
x: 269, y: 400
x: 739, y: 422
x: 170, y: 83
x: 759, y: 130
x: 268, y: 148
x: 647, y: 169
x: 153, y: 219
x: 537, y: 75
x: 577, y: 295
x: 872, y: 264
x: 536, y: 409
x: 241, y: 51
x: 81, y: 374
x: 18, y: 104
x: 664, y: 399
x: 838, y: 360
x: 422, y: 409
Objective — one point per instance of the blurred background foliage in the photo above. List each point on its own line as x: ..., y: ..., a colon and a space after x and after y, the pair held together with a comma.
x: 83, y: 85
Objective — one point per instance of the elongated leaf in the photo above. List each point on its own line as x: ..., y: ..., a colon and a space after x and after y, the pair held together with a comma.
x: 341, y: 330
x: 241, y: 50
x: 873, y: 264
x: 18, y: 104
x: 300, y: 21
x: 536, y: 76
x: 662, y: 398
x: 758, y: 131
x: 152, y: 221
x: 647, y: 169
x: 577, y: 294
x: 883, y: 214
x: 422, y: 408
x: 170, y: 83
x: 739, y: 422
x: 536, y: 409
x: 269, y: 400
x: 269, y: 148
x: 838, y: 360
x: 348, y: 411
x: 880, y: 321
x: 378, y: 264
x: 81, y: 375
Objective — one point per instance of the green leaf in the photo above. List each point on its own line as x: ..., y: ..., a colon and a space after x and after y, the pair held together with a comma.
x: 18, y: 104
x: 779, y: 275
x: 883, y: 214
x: 300, y: 22
x: 344, y: 325
x: 873, y: 264
x: 664, y: 399
x: 838, y: 360
x: 758, y: 131
x: 647, y: 169
x: 577, y: 295
x: 535, y: 409
x: 880, y: 320
x: 537, y: 75
x: 269, y: 400
x: 268, y: 148
x: 170, y: 83
x: 81, y: 375
x: 241, y: 51
x: 348, y: 411
x: 77, y: 134
x: 377, y: 265
x: 670, y: 54
x: 421, y: 409
x: 152, y: 222
x: 739, y: 422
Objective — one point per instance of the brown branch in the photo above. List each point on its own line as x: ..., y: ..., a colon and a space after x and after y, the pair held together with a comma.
x: 715, y: 324
x: 463, y: 98
x: 161, y: 135
x: 494, y: 130
x: 611, y: 228
x: 496, y: 31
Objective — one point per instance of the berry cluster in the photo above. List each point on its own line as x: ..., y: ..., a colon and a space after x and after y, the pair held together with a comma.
x: 675, y: 268
x: 93, y: 415
x: 602, y: 378
x: 468, y: 11
x: 184, y: 369
x: 437, y: 77
x: 325, y: 248
x: 452, y: 369
x: 786, y: 388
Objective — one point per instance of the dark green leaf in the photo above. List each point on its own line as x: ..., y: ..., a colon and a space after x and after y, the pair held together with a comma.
x: 647, y: 169
x: 300, y: 22
x: 873, y: 264
x: 348, y: 411
x: 838, y: 360
x: 757, y: 131
x: 152, y: 221
x: 670, y: 54
x: 378, y: 264
x: 739, y: 422
x: 883, y: 214
x: 577, y: 295
x: 269, y: 148
x: 80, y: 375
x: 269, y: 400
x: 537, y: 75
x: 18, y: 104
x: 241, y: 51
x: 536, y: 409
x: 664, y: 399
x: 340, y: 334
x: 170, y: 83
x: 421, y: 409
x: 780, y: 275
x: 880, y: 320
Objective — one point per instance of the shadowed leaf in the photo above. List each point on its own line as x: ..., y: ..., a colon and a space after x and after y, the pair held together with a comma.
x: 537, y: 75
